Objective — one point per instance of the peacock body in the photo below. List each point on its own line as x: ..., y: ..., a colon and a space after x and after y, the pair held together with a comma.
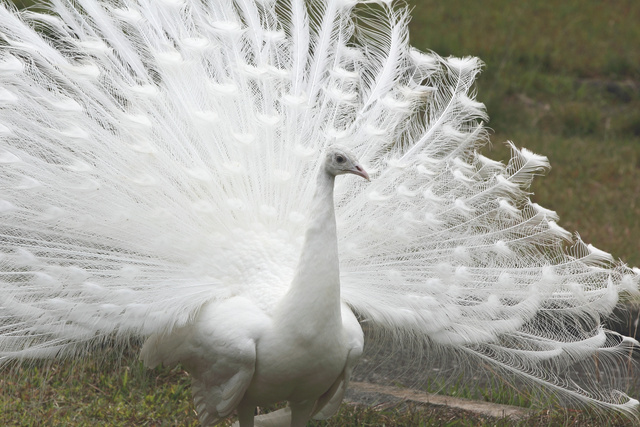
x: 166, y: 173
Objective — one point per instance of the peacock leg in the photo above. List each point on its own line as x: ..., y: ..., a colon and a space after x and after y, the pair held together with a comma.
x: 301, y: 412
x: 246, y: 414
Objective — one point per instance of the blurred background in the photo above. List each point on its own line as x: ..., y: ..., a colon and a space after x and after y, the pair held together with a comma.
x: 561, y: 79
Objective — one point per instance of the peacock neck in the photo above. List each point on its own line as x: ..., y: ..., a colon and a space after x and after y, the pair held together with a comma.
x: 314, y: 293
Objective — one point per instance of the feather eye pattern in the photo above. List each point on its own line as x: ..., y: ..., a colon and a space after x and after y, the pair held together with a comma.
x: 158, y: 157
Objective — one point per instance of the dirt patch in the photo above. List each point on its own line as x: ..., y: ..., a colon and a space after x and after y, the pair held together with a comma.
x: 364, y: 392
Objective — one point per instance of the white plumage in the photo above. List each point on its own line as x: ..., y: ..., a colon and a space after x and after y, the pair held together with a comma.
x: 166, y: 172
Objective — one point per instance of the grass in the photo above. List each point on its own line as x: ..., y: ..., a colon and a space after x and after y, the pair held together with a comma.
x: 562, y: 79
x: 121, y: 392
x: 96, y: 392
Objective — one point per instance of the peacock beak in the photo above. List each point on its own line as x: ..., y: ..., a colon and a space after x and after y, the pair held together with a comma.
x: 358, y: 170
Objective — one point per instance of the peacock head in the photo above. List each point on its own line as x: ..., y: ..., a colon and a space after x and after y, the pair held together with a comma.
x: 340, y: 161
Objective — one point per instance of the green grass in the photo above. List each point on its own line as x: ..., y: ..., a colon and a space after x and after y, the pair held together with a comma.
x: 120, y: 392
x: 562, y: 79
x: 95, y: 392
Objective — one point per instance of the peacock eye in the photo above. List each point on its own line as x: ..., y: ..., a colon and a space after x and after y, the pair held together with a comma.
x: 340, y: 159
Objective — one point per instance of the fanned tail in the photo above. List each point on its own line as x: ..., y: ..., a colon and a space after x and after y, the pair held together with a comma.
x: 148, y: 162
x: 444, y: 248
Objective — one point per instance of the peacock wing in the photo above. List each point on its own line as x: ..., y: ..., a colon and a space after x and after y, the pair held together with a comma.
x: 219, y: 351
